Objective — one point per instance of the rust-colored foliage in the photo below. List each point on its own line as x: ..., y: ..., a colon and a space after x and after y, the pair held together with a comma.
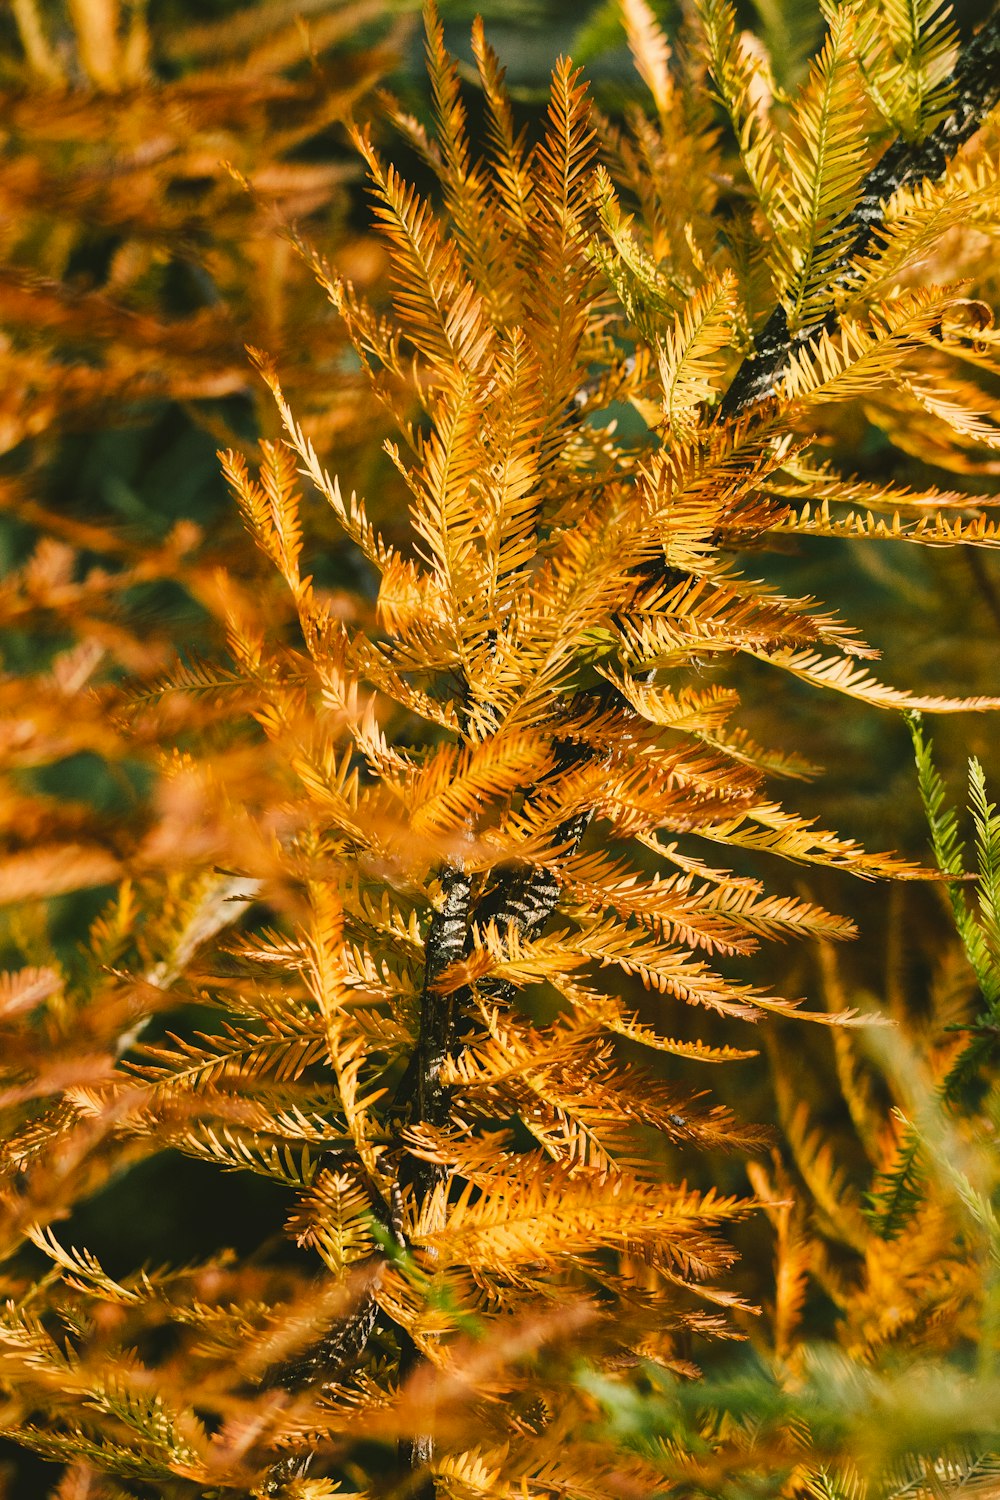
x: 134, y: 265
x: 409, y: 874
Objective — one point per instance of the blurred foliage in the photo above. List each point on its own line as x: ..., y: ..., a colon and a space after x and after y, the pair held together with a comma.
x: 136, y: 263
x: 151, y: 165
x: 890, y: 1219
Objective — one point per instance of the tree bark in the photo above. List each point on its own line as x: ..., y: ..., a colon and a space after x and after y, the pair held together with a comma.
x: 977, y: 92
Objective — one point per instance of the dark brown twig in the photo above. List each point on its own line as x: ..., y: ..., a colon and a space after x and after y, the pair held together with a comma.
x: 977, y: 92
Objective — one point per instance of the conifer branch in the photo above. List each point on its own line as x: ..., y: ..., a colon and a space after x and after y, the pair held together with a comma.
x: 522, y: 902
x: 526, y: 897
x: 422, y: 1094
x: 424, y: 1100
x: 977, y: 93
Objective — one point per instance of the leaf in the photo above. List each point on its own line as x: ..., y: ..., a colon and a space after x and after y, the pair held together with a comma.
x: 844, y: 677
x: 468, y: 199
x: 647, y: 291
x: 650, y: 52
x: 952, y: 407
x: 22, y: 990
x: 270, y: 507
x: 741, y: 90
x: 562, y: 288
x: 899, y: 1190
x: 688, y: 356
x: 986, y: 820
x: 50, y: 870
x: 547, y: 1212
x: 862, y: 354
x: 84, y: 1269
x: 334, y: 1217
x: 824, y: 160
x: 907, y: 50
x: 515, y: 183
x: 927, y: 531
x: 768, y: 827
x: 454, y: 782
x: 439, y: 308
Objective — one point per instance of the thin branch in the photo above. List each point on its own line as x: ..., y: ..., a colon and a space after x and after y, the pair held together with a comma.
x: 977, y: 93
x: 522, y: 901
x: 421, y: 1096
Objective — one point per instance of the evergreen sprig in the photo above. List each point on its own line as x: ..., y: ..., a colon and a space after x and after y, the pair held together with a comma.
x: 427, y: 892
